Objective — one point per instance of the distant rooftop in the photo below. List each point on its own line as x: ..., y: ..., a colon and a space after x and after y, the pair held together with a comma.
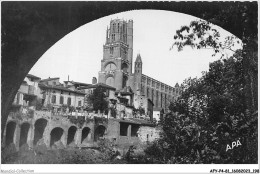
x: 97, y: 85
x: 33, y: 77
x: 78, y: 83
x: 45, y: 80
x: 60, y: 88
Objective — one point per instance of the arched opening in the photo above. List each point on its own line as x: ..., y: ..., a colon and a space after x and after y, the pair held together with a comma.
x: 85, y: 135
x: 124, y: 81
x: 24, y: 133
x: 39, y: 128
x: 110, y: 81
x: 10, y: 129
x: 56, y: 135
x: 71, y: 134
x: 99, y: 132
x: 124, y: 67
x: 110, y: 67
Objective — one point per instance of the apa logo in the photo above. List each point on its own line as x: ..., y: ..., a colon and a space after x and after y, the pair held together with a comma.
x: 234, y: 144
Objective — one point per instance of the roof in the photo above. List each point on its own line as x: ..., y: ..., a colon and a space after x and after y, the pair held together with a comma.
x: 124, y: 93
x: 33, y: 76
x: 78, y: 83
x: 138, y: 58
x: 24, y: 83
x: 60, y: 88
x: 49, y: 79
x: 97, y: 85
x: 157, y: 81
x: 45, y: 80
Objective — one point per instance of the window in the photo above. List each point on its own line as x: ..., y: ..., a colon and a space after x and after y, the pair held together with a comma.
x: 114, y: 27
x: 113, y: 37
x: 79, y: 103
x: 123, y: 129
x: 69, y: 101
x: 118, y: 27
x: 153, y: 83
x: 111, y: 50
x: 61, y: 99
x: 53, y: 99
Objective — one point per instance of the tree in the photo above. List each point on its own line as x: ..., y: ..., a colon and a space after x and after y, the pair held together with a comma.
x: 202, y: 35
x: 240, y: 100
x: 98, y: 99
x: 206, y: 117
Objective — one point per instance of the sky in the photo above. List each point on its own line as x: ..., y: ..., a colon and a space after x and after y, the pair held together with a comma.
x: 80, y: 52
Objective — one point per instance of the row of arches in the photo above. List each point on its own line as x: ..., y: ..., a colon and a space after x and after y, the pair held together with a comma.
x: 56, y: 134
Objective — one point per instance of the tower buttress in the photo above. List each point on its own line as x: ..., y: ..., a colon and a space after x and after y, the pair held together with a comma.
x: 138, y: 72
x: 130, y: 43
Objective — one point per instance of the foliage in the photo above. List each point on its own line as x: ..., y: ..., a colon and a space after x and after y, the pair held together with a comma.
x: 201, y: 34
x: 108, y: 148
x: 98, y: 99
x: 30, y: 113
x: 77, y: 121
x: 221, y: 103
x: 58, y: 156
x: 72, y: 109
x: 113, y: 112
x: 64, y: 108
x: 139, y: 110
x: 207, y: 117
x: 39, y: 104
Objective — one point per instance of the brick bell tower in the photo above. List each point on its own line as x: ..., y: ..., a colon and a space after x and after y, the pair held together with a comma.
x: 116, y: 65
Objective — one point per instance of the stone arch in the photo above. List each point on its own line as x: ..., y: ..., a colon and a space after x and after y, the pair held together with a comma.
x: 10, y: 131
x: 99, y: 132
x: 71, y: 134
x: 110, y: 66
x: 56, y: 135
x: 86, y: 134
x: 39, y: 128
x: 25, y: 127
x: 109, y: 63
x: 124, y: 67
x: 110, y: 81
x: 35, y: 48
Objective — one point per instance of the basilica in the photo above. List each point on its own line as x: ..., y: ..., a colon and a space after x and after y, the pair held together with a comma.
x: 116, y: 70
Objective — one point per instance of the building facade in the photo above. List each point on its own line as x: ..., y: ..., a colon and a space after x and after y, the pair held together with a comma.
x: 116, y: 67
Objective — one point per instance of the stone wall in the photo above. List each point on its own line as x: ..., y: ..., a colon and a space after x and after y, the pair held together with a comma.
x: 86, y: 130
x: 148, y: 134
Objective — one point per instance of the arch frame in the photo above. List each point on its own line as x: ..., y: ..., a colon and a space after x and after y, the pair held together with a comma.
x: 46, y: 32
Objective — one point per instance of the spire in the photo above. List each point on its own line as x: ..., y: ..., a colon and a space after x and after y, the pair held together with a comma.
x: 138, y: 58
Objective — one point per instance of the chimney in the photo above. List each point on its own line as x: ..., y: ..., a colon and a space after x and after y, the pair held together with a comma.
x: 94, y: 80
